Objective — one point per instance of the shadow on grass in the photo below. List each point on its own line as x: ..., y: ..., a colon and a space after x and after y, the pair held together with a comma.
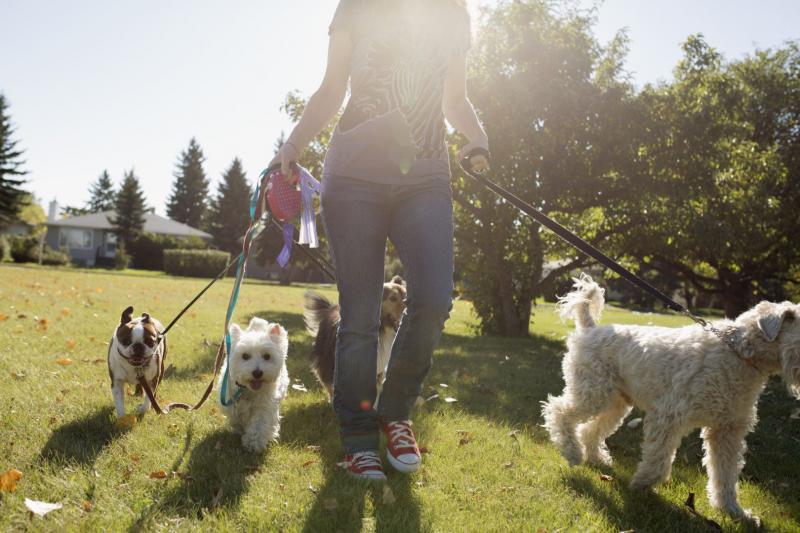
x: 82, y: 440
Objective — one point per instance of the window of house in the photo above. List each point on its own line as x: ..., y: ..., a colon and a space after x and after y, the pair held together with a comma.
x: 111, y: 243
x: 75, y: 238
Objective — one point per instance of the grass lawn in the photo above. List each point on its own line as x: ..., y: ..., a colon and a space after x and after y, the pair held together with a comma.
x: 488, y: 466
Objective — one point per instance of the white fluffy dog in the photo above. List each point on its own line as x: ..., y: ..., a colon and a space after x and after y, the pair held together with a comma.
x: 683, y: 378
x: 258, y: 371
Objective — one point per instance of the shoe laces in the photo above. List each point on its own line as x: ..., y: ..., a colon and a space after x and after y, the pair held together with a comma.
x: 364, y: 460
x: 400, y: 433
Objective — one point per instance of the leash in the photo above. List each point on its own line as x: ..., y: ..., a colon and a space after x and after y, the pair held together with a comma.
x: 583, y: 246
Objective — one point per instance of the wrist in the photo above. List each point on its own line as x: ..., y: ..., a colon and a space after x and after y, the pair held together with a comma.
x: 291, y: 145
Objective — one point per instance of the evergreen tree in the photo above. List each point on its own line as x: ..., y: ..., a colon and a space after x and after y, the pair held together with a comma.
x: 228, y: 213
x: 188, y: 201
x: 103, y: 195
x: 12, y: 197
x: 130, y: 209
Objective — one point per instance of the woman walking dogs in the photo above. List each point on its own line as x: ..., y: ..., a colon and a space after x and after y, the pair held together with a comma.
x: 387, y: 175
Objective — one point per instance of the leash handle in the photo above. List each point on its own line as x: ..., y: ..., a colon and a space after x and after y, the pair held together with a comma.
x: 469, y: 161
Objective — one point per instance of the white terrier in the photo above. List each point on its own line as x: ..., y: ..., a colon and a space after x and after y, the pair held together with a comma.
x: 683, y: 378
x: 258, y: 371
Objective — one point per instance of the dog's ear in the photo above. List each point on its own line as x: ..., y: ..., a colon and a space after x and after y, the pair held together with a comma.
x: 771, y: 317
x: 145, y: 318
x: 399, y: 281
x: 235, y: 331
x: 127, y: 316
x: 258, y: 324
x: 279, y: 336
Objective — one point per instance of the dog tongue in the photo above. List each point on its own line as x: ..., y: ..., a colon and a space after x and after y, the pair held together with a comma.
x: 256, y: 384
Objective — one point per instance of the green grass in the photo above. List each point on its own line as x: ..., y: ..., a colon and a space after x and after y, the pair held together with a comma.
x: 489, y: 466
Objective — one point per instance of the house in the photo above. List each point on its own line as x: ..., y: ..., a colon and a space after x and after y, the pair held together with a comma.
x: 89, y: 237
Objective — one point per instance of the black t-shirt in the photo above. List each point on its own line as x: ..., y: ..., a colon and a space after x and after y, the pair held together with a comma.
x: 392, y: 129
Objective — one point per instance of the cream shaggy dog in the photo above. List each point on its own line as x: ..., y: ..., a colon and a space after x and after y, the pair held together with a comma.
x: 683, y: 378
x: 258, y: 371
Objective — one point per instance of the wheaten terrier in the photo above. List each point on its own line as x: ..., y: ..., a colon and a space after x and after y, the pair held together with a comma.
x: 683, y: 378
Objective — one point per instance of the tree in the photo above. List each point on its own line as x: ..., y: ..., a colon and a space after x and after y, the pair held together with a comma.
x: 12, y: 196
x: 720, y: 178
x: 557, y: 109
x: 229, y: 211
x: 32, y: 214
x: 188, y: 201
x: 130, y: 208
x: 102, y: 194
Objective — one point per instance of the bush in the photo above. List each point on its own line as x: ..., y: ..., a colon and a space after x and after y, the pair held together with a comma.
x: 24, y: 249
x: 195, y: 263
x: 53, y: 257
x: 5, y: 248
x: 147, y: 249
x: 121, y: 258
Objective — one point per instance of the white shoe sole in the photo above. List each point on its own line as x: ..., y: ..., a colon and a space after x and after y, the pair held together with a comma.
x: 403, y: 468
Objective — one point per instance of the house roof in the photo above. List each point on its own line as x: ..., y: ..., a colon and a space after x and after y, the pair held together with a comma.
x: 152, y: 224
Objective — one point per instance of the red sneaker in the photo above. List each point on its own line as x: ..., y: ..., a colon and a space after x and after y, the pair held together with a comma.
x: 364, y: 465
x: 401, y: 446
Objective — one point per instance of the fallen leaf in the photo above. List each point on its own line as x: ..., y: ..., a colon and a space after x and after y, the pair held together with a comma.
x: 634, y: 423
x: 313, y: 489
x: 71, y: 344
x: 64, y: 361
x: 330, y: 504
x: 508, y: 465
x: 606, y: 477
x: 300, y: 387
x: 466, y: 438
x: 125, y: 422
x: 22, y: 316
x: 18, y: 375
x: 41, y: 508
x: 87, y: 505
x: 216, y: 497
x: 135, y: 457
x: 431, y: 397
x: 507, y: 489
x: 98, y: 361
x: 423, y: 449
x: 8, y: 480
x: 309, y: 462
x: 3, y: 317
x: 313, y: 448
x: 388, y: 495
x: 158, y: 474
x: 444, y: 385
x: 65, y: 311
x: 450, y: 399
x: 41, y: 324
x: 181, y: 475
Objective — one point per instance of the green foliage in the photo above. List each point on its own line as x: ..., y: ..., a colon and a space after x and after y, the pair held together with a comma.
x: 102, y: 194
x: 147, y: 249
x: 719, y: 174
x: 129, y: 208
x: 24, y: 248
x: 52, y: 257
x: 229, y: 211
x: 121, y: 257
x: 5, y: 249
x: 32, y: 214
x: 195, y: 263
x: 12, y: 196
x: 187, y: 201
x: 557, y: 109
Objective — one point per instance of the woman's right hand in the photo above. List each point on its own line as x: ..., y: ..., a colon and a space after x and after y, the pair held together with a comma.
x: 287, y: 156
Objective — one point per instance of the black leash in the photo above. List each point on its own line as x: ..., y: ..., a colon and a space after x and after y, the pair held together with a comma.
x: 323, y: 264
x: 580, y: 244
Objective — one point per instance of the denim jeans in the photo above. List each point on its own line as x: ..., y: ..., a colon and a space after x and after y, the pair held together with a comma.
x: 417, y: 218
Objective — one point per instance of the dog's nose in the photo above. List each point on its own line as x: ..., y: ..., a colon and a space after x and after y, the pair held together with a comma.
x: 257, y: 373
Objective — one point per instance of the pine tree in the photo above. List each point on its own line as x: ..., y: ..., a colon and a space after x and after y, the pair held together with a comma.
x: 12, y: 197
x: 130, y: 208
x: 228, y: 213
x: 188, y: 201
x: 103, y: 195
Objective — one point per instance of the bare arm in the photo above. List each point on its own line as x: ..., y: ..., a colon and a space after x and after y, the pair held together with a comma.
x: 458, y: 109
x: 323, y: 104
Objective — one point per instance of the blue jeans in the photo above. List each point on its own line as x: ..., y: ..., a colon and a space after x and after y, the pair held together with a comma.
x: 359, y: 216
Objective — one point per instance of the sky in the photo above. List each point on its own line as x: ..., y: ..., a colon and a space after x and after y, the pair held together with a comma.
x: 122, y: 85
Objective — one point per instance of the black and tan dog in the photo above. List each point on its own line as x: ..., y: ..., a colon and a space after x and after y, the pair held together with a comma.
x: 135, y: 349
x: 322, y: 322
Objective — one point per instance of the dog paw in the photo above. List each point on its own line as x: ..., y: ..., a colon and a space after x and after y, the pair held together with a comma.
x: 142, y: 408
x: 642, y: 485
x: 254, y: 442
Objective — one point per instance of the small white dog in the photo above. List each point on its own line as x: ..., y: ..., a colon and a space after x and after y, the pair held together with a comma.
x: 135, y: 347
x: 683, y: 378
x: 258, y: 370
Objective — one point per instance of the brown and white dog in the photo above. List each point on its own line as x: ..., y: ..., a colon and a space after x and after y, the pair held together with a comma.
x: 134, y: 349
x: 322, y: 322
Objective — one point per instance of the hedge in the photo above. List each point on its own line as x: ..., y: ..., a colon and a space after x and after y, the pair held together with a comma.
x: 195, y: 263
x: 147, y: 250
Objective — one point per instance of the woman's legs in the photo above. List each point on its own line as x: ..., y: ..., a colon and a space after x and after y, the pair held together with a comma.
x: 421, y: 229
x: 356, y: 217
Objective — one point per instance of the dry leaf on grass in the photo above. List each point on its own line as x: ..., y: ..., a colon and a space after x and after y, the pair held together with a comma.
x: 388, y: 495
x: 8, y: 480
x: 64, y: 361
x: 41, y: 324
x: 18, y: 375
x: 431, y: 397
x: 313, y: 448
x: 71, y: 344
x: 3, y: 317
x: 65, y: 311
x: 508, y: 465
x: 299, y: 387
x: 87, y: 505
x: 606, y: 477
x: 423, y: 449
x: 313, y: 489
x: 125, y: 422
x: 41, y: 508
x: 466, y: 437
x: 309, y: 462
x: 450, y: 399
x: 158, y: 474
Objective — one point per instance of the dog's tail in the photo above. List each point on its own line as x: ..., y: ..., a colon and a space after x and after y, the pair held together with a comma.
x: 584, y: 304
x: 316, y: 309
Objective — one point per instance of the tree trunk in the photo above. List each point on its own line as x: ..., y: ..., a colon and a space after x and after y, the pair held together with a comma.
x: 285, y: 275
x: 736, y: 298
